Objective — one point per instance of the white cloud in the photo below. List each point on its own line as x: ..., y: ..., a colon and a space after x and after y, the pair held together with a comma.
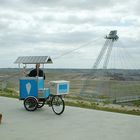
x: 54, y: 27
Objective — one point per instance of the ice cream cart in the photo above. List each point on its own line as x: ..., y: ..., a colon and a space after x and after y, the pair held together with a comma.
x: 33, y: 92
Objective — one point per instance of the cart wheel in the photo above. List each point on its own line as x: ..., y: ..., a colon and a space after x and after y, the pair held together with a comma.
x: 41, y: 103
x: 58, y: 104
x: 30, y: 103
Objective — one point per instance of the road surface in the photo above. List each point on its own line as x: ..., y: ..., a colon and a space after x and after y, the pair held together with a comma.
x: 73, y: 124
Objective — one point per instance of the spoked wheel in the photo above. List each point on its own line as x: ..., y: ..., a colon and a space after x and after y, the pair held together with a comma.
x: 58, y: 104
x: 30, y: 103
x: 41, y: 103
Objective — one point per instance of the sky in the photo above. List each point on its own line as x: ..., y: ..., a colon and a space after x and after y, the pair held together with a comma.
x: 57, y: 27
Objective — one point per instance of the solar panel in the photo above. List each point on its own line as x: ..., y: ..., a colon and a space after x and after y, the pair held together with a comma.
x: 33, y: 60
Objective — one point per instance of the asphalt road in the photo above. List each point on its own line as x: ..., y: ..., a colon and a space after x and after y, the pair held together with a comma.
x: 73, y: 124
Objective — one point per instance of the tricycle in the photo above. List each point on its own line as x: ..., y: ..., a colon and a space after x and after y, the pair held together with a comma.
x: 33, y: 92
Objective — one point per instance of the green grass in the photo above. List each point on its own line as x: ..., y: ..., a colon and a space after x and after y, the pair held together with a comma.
x: 136, y: 103
x: 9, y: 93
x: 96, y: 106
x: 78, y: 102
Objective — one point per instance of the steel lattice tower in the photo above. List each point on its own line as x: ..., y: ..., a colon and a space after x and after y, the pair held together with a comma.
x: 107, y: 48
x: 105, y: 52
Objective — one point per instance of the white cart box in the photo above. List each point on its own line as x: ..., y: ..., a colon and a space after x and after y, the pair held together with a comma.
x: 59, y: 87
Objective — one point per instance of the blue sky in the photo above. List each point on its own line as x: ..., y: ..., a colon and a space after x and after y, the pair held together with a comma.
x: 55, y: 27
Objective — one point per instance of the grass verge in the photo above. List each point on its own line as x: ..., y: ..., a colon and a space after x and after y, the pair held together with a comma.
x: 81, y: 104
x: 97, y: 106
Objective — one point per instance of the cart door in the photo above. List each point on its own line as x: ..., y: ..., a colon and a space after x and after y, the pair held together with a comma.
x: 28, y: 87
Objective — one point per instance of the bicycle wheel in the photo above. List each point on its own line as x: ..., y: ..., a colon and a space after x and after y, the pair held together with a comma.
x: 41, y: 103
x: 30, y: 103
x: 58, y: 104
